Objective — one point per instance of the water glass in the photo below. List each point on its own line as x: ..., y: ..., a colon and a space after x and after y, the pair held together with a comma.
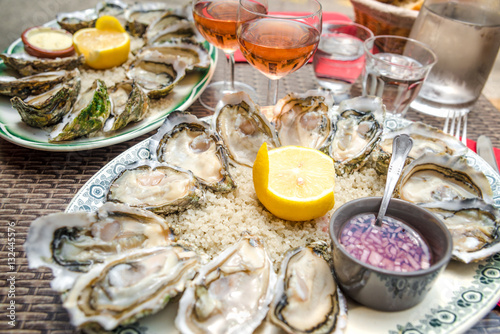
x: 395, y: 68
x: 465, y: 35
x: 339, y: 59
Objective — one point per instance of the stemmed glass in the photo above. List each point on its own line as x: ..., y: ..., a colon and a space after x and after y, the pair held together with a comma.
x: 216, y: 22
x: 276, y: 43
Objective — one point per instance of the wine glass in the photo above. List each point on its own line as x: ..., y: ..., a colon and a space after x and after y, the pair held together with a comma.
x: 216, y: 22
x: 277, y: 43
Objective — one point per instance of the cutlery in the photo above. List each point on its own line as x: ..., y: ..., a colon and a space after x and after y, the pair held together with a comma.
x: 485, y: 151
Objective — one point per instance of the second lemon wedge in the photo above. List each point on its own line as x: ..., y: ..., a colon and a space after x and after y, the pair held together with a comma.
x: 294, y: 183
x: 105, y: 46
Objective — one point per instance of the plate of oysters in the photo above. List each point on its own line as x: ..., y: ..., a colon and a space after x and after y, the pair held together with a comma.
x: 45, y: 103
x: 170, y: 237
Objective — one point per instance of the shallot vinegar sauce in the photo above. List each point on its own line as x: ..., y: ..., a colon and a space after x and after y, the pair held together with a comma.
x: 392, y: 246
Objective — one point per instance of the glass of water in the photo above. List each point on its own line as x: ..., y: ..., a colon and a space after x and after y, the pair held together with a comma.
x: 339, y: 59
x: 395, y: 69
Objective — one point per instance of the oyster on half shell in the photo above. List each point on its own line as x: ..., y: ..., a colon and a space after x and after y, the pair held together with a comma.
x: 169, y: 26
x: 243, y: 128
x: 155, y: 186
x: 71, y: 243
x: 49, y: 107
x: 139, y: 16
x: 231, y: 293
x: 185, y: 141
x: 130, y: 286
x: 306, y: 297
x: 27, y: 65
x: 75, y: 21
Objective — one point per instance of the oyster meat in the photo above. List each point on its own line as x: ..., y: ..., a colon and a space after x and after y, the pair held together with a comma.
x: 139, y: 16
x: 306, y: 298
x: 49, y: 107
x: 88, y: 115
x: 129, y: 103
x: 231, y: 293
x: 442, y: 177
x: 185, y: 141
x: 474, y: 226
x: 130, y: 286
x: 304, y: 120
x: 71, y: 243
x: 243, y: 128
x: 157, y: 75
x: 155, y: 186
x: 27, y: 65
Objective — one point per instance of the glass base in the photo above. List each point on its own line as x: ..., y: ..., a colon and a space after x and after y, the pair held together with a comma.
x: 437, y: 109
x: 215, y: 91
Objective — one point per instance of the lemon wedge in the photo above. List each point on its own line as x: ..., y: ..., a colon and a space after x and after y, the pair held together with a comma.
x: 294, y: 183
x: 105, y: 46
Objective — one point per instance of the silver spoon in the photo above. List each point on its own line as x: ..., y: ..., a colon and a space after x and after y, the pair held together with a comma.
x: 401, y: 146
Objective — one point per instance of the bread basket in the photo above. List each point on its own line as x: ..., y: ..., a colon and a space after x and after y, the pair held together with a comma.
x: 383, y: 18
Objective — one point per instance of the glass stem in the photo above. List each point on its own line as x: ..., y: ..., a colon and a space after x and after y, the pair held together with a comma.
x: 272, y: 92
x: 229, y: 86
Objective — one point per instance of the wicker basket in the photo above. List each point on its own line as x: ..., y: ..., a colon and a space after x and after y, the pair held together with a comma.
x: 382, y: 18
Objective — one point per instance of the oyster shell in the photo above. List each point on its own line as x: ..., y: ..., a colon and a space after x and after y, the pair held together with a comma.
x: 192, y: 53
x: 168, y: 26
x: 155, y: 186
x: 155, y: 74
x: 474, y: 226
x: 185, y: 141
x: 358, y: 130
x: 130, y: 286
x: 50, y: 107
x: 243, y: 128
x: 231, y: 293
x: 129, y: 103
x: 27, y: 65
x: 71, y: 243
x: 75, y: 21
x: 306, y: 298
x: 34, y: 84
x: 89, y: 114
x: 442, y: 177
x: 425, y: 139
x: 139, y: 16
x: 304, y: 120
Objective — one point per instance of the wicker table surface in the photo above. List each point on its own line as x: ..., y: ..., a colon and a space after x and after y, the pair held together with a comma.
x: 35, y: 183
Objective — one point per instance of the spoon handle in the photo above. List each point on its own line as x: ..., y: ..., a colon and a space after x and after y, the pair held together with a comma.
x: 401, y: 146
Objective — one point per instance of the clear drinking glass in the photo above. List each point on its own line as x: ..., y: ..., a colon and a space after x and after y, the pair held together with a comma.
x: 278, y: 44
x: 395, y: 69
x: 340, y: 58
x: 465, y: 35
x: 216, y: 21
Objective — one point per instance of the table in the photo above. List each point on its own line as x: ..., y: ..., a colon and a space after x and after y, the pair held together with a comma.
x: 35, y: 183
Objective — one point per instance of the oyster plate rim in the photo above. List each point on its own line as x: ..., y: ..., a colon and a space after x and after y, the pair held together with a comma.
x: 462, y: 295
x: 14, y: 130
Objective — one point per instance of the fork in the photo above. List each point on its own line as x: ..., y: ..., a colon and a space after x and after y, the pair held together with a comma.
x: 454, y: 121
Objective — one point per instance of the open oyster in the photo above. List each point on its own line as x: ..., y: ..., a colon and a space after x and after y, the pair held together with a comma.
x: 192, y: 53
x: 89, y: 114
x: 425, y: 139
x: 442, y: 177
x: 231, y: 293
x: 75, y: 21
x: 168, y: 26
x: 34, y: 84
x: 306, y: 298
x: 185, y: 141
x: 139, y: 16
x: 155, y: 186
x: 49, y: 107
x: 27, y: 65
x: 129, y: 103
x: 304, y: 120
x: 71, y: 243
x: 243, y: 128
x: 358, y: 130
x: 130, y: 286
x: 474, y: 226
x: 155, y: 74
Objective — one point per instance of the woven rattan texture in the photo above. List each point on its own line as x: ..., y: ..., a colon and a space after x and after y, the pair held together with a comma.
x: 35, y: 183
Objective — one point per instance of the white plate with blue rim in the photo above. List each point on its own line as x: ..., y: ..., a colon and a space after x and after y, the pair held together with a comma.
x: 462, y: 295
